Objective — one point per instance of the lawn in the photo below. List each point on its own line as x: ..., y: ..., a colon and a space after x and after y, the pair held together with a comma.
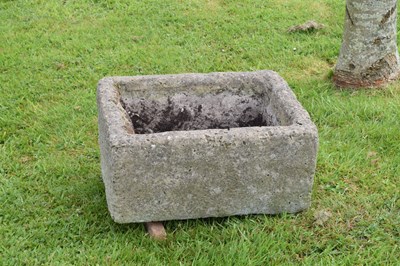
x: 52, y: 202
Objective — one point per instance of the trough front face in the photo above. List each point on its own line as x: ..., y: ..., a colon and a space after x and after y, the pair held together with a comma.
x: 204, y: 145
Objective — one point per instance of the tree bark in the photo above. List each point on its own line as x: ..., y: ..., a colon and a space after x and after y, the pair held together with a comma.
x: 368, y: 57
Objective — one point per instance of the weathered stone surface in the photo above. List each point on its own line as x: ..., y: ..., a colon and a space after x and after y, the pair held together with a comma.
x: 265, y: 164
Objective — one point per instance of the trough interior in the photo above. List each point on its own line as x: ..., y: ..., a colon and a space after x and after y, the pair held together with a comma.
x: 193, y: 112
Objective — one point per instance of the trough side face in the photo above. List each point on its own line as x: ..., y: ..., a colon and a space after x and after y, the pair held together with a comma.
x: 113, y: 125
x: 205, y: 173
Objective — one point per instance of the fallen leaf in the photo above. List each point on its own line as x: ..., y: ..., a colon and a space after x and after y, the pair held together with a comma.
x: 310, y: 25
x: 375, y: 161
x: 25, y: 159
x: 60, y: 66
x: 321, y: 217
x: 136, y: 38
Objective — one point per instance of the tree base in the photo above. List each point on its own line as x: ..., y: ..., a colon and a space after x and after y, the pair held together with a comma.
x: 343, y: 79
x: 377, y: 75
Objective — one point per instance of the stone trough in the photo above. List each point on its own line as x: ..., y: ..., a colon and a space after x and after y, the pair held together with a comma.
x: 204, y: 145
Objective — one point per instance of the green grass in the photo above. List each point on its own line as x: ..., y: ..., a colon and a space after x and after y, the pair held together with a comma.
x: 52, y: 202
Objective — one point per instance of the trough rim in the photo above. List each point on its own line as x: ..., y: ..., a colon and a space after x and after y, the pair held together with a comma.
x: 120, y: 128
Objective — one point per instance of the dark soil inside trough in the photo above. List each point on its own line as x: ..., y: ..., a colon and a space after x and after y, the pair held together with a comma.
x: 183, y: 112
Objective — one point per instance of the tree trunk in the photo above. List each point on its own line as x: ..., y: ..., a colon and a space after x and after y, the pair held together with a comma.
x: 368, y: 57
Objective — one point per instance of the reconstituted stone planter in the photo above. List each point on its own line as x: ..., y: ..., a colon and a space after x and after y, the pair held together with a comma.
x: 204, y: 145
